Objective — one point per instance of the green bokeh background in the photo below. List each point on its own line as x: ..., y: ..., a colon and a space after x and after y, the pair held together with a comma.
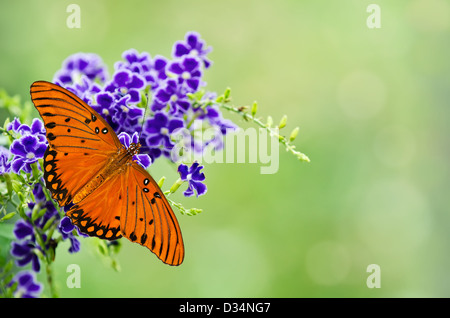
x: 372, y: 106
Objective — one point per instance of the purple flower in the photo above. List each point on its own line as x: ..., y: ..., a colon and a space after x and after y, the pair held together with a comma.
x: 157, y: 73
x: 5, y: 164
x: 27, y: 285
x: 23, y: 229
x: 156, y: 133
x: 81, y: 64
x: 126, y: 83
x: 152, y: 70
x: 135, y: 62
x: 192, y: 45
x: 121, y: 116
x: 37, y: 128
x: 188, y: 72
x: 142, y: 159
x: 194, y: 178
x: 84, y: 89
x: 66, y: 228
x: 26, y: 150
x: 24, y: 253
x: 171, y: 95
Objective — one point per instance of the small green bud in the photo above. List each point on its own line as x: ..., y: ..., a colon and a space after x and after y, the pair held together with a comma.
x: 115, y: 265
x: 254, y: 108
x: 176, y: 185
x: 294, y: 134
x: 283, y: 122
x: 226, y: 95
x: 49, y: 223
x: 193, y: 211
x: 102, y: 248
x: 16, y: 186
x: 161, y: 181
x: 7, y: 216
x: 219, y: 99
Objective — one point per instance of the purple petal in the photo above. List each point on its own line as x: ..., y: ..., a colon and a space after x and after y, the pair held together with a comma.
x: 180, y: 49
x: 20, y: 250
x: 197, y: 176
x: 199, y: 187
x: 40, y: 151
x: 143, y: 159
x: 162, y: 96
x: 17, y: 148
x: 159, y: 63
x: 29, y: 143
x: 22, y: 229
x: 183, y: 170
x: 36, y: 266
x: 189, y: 191
x: 105, y: 99
x: 175, y: 68
x: 190, y: 64
x: 136, y: 82
x: 66, y: 226
x: 37, y: 126
x: 17, y: 164
x: 174, y: 124
x: 193, y: 83
x: 122, y: 78
x: 135, y: 96
x: 192, y: 38
x: 25, y: 278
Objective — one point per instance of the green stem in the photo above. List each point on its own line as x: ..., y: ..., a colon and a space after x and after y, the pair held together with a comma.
x: 50, y: 281
x: 282, y: 139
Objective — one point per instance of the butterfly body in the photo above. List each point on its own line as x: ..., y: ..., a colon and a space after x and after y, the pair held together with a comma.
x: 86, y: 164
x: 116, y: 165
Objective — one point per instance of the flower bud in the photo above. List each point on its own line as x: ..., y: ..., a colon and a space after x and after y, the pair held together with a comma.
x: 161, y: 181
x: 254, y: 108
x: 283, y: 122
x: 294, y: 134
x: 226, y: 95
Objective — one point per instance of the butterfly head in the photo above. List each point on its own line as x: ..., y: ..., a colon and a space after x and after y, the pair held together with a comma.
x: 133, y: 149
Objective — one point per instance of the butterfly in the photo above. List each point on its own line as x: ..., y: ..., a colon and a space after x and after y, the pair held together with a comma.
x: 85, y: 164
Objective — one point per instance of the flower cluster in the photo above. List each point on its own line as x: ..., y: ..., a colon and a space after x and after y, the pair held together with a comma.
x: 32, y: 241
x: 26, y: 285
x: 29, y: 147
x: 146, y: 100
x: 140, y: 80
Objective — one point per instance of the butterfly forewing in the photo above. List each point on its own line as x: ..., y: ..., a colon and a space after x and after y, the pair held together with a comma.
x: 79, y: 142
x: 71, y: 125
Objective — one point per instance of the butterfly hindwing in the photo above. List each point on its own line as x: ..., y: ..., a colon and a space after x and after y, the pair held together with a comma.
x: 66, y: 173
x: 148, y: 219
x: 99, y: 213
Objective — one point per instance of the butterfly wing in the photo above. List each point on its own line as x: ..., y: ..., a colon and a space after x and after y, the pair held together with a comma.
x: 128, y: 203
x: 148, y: 219
x: 80, y: 140
x: 131, y: 204
x: 99, y: 213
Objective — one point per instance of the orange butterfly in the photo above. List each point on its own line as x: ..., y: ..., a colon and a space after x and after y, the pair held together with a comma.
x: 86, y: 164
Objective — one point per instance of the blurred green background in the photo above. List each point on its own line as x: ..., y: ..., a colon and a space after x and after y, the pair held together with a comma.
x: 372, y: 106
